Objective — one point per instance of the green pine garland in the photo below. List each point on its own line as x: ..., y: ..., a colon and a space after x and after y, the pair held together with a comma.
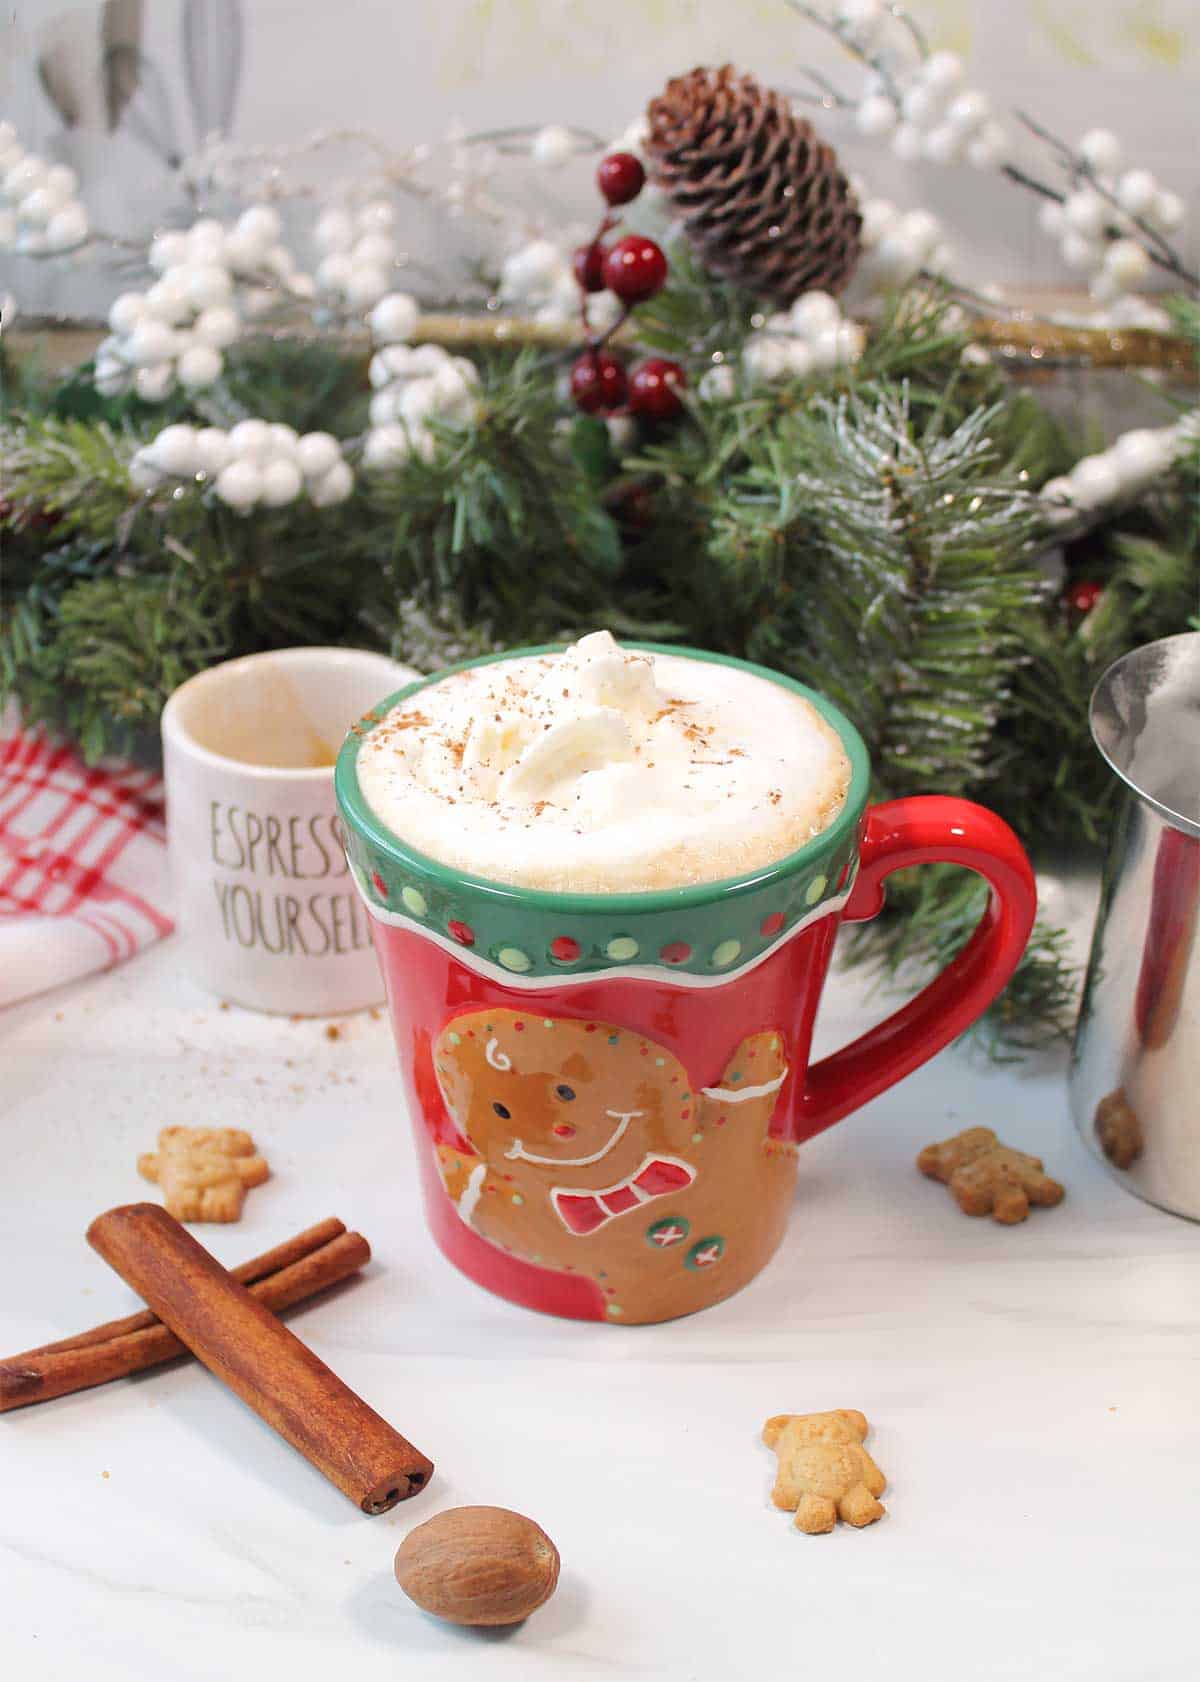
x: 872, y: 531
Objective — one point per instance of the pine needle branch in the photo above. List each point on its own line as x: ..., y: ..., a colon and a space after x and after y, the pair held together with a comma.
x: 912, y: 573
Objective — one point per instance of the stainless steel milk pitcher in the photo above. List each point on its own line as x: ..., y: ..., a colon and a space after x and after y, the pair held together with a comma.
x: 1135, y: 1070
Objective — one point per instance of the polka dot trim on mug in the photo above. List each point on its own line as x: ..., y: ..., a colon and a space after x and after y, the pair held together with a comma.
x: 514, y: 959
x: 528, y: 942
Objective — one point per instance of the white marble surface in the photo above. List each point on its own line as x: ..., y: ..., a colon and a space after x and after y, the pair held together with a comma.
x: 1033, y: 1393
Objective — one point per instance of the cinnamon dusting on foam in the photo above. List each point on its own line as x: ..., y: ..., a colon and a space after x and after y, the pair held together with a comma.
x: 604, y: 769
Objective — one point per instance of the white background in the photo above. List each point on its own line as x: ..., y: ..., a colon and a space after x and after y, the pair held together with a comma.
x: 408, y: 68
x: 1032, y: 1393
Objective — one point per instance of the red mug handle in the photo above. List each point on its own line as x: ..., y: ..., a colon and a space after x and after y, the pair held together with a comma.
x: 927, y: 829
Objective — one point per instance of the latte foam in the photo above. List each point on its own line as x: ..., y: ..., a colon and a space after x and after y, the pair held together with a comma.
x: 604, y: 770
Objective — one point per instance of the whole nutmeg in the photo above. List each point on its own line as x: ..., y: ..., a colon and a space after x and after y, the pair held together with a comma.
x: 478, y: 1565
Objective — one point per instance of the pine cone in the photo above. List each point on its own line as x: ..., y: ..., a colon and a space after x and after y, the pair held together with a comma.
x: 762, y: 199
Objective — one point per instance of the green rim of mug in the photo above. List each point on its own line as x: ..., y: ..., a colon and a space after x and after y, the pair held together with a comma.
x: 711, y: 930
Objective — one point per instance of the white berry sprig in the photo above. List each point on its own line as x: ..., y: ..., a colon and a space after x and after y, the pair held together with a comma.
x: 413, y: 385
x: 811, y: 337
x: 255, y: 464
x: 209, y: 278
x: 924, y: 108
x: 456, y: 174
x: 1124, y: 470
x: 40, y: 211
x: 539, y: 279
x: 359, y: 255
x: 1112, y: 222
x: 898, y: 245
x: 941, y: 119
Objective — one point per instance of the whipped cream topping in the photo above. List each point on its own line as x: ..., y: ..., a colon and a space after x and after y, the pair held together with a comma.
x: 603, y: 769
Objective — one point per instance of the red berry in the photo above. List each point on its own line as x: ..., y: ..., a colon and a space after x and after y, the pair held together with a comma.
x: 1083, y: 595
x: 588, y: 263
x: 598, y: 382
x: 620, y: 177
x: 634, y: 268
x: 654, y: 388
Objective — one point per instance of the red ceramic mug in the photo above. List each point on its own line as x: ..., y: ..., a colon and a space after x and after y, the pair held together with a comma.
x: 609, y: 1090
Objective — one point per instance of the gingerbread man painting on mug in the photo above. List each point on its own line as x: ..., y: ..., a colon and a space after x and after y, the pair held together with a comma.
x: 583, y: 1147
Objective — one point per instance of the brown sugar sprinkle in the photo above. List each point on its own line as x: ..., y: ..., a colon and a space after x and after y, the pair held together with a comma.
x: 332, y: 1031
x: 774, y: 796
x: 410, y: 721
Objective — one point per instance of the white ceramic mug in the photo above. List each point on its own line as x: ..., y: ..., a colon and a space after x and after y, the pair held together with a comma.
x: 263, y: 896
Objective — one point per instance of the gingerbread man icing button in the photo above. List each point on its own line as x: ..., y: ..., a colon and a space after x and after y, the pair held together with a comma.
x: 665, y: 1234
x: 707, y: 1253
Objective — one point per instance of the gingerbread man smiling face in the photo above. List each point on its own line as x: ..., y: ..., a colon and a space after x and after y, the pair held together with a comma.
x: 585, y: 1148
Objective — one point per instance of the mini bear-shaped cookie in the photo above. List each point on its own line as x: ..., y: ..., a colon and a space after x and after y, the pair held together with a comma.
x: 205, y: 1172
x: 824, y: 1471
x: 987, y: 1178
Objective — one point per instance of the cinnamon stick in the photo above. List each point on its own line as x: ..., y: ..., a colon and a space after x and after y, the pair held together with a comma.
x: 243, y: 1344
x: 122, y: 1347
x: 258, y: 1267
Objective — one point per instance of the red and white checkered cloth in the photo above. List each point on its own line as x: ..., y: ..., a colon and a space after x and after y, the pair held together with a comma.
x: 83, y: 862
